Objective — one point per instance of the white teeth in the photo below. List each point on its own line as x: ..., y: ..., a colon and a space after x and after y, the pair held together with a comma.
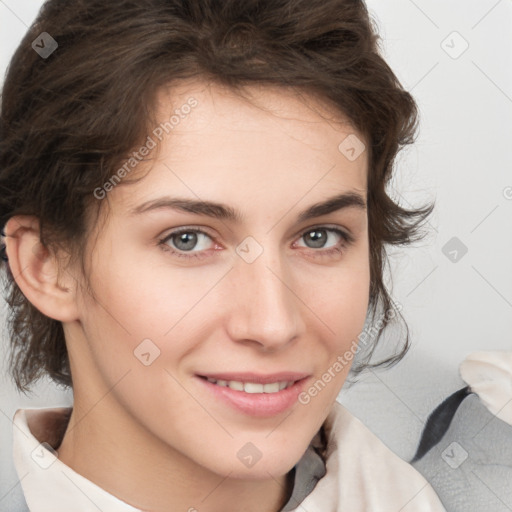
x: 234, y: 384
x: 252, y: 387
x: 271, y: 388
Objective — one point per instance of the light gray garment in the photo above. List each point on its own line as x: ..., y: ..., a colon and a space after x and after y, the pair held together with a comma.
x: 471, y: 467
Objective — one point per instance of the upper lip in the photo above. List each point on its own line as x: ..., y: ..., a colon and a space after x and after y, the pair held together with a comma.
x: 257, y: 377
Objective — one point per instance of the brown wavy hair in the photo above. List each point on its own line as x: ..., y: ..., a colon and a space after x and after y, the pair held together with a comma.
x: 70, y: 119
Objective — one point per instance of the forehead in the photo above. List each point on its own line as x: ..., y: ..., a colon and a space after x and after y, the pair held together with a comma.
x: 306, y: 118
x: 272, y: 140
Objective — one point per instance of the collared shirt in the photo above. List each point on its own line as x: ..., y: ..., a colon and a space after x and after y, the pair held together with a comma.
x: 489, y: 375
x: 360, y: 474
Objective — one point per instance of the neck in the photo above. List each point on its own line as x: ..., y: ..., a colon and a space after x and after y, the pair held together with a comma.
x: 105, y: 444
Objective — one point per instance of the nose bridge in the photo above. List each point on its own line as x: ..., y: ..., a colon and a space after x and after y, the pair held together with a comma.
x: 265, y: 309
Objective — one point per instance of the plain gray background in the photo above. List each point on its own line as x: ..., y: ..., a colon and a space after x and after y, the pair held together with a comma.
x: 462, y: 160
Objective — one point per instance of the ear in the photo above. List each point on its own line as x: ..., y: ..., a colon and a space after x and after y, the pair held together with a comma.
x: 38, y: 272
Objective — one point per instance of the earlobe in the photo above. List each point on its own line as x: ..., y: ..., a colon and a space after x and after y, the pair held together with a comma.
x: 37, y: 270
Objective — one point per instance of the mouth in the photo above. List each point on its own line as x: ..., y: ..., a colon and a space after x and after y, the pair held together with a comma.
x: 252, y: 387
x: 256, y: 395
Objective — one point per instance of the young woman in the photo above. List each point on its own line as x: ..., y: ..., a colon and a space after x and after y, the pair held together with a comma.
x: 195, y: 211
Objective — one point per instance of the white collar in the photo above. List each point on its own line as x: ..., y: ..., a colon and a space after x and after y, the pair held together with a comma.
x: 489, y: 375
x: 362, y: 474
x: 48, y: 484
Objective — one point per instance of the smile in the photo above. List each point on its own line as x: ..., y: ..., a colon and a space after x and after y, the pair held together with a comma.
x: 254, y: 394
x: 252, y: 387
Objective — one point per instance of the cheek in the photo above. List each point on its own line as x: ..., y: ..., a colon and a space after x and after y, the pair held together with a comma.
x: 145, y: 296
x: 342, y: 310
x: 137, y: 302
x: 342, y: 303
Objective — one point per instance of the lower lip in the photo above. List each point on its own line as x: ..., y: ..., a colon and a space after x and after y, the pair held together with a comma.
x: 257, y: 404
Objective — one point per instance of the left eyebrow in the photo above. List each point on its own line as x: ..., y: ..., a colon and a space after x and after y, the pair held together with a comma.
x: 225, y: 212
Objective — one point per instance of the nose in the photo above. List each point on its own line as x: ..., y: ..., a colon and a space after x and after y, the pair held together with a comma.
x: 265, y: 310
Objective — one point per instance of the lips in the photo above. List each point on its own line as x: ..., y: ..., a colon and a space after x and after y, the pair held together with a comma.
x: 255, y: 394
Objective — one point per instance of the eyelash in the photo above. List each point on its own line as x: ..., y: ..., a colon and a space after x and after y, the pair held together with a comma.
x: 346, y: 240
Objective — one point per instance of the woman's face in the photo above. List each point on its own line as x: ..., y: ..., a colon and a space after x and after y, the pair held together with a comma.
x: 211, y: 324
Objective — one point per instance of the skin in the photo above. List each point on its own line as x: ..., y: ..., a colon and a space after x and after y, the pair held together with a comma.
x: 151, y: 435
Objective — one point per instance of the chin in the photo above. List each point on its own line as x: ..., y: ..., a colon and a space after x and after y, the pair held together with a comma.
x: 263, y: 470
x: 274, y: 461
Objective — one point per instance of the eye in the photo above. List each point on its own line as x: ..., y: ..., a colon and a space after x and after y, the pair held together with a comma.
x: 184, y: 240
x: 193, y: 242
x: 318, y: 237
